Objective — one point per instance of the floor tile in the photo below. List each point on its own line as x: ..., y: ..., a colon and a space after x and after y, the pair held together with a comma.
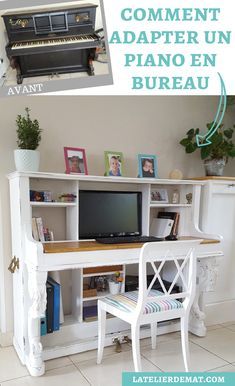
x: 227, y: 324
x: 231, y: 327
x: 226, y: 369
x: 168, y: 357
x: 89, y: 355
x: 100, y: 69
x: 221, y: 342
x: 68, y: 375
x: 160, y: 339
x: 109, y: 372
x: 214, y: 327
x: 10, y: 366
x: 57, y: 363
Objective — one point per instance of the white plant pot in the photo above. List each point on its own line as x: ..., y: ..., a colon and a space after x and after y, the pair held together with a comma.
x: 114, y: 287
x: 27, y: 160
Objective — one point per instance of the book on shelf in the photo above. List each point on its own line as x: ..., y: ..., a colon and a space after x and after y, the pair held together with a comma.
x: 175, y: 216
x: 90, y: 313
x: 56, y: 303
x: 40, y: 229
x: 35, y: 229
x: 50, y: 307
x: 43, y: 326
x: 161, y: 227
x: 40, y: 232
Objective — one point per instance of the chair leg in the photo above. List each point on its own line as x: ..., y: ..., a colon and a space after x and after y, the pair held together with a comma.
x: 184, y: 341
x: 135, y: 337
x: 101, y: 333
x: 154, y: 335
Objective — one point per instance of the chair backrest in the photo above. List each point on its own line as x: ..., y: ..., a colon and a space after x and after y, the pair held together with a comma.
x: 156, y: 255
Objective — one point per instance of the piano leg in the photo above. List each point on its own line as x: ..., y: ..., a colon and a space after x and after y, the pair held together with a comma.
x: 16, y: 66
x: 19, y: 78
x: 91, y: 57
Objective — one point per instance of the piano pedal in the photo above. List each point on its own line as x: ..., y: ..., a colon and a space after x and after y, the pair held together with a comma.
x: 118, y: 346
x: 126, y: 339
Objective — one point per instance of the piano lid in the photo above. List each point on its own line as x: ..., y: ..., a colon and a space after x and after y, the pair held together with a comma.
x: 30, y: 11
x: 50, y: 22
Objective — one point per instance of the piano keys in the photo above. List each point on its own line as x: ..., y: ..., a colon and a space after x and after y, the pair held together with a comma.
x: 55, y: 41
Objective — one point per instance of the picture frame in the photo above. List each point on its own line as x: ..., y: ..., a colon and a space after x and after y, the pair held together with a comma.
x: 113, y: 163
x: 75, y: 160
x: 147, y: 165
x: 159, y: 196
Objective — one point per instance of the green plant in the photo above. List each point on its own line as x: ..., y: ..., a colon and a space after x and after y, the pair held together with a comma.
x: 28, y: 132
x: 221, y: 146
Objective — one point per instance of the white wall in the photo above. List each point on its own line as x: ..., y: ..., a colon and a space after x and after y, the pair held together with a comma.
x: 132, y: 125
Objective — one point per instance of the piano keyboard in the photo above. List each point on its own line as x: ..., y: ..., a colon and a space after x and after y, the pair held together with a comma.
x: 54, y: 42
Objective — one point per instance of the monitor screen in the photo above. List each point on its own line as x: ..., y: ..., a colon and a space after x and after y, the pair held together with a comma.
x: 107, y: 214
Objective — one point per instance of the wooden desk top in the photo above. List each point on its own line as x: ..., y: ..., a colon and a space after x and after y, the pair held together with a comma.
x: 86, y: 246
x: 206, y: 178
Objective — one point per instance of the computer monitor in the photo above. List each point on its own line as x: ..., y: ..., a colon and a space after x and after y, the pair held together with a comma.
x: 109, y: 213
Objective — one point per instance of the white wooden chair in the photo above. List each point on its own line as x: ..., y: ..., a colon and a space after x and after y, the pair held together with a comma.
x: 149, y: 306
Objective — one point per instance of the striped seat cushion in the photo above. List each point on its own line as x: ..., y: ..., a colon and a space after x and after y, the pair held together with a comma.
x: 127, y: 302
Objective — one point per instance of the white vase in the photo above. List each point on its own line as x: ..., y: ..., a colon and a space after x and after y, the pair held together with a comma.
x: 114, y: 287
x: 27, y: 160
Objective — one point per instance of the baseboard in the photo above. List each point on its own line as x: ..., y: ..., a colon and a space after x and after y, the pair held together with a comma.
x: 221, y: 312
x: 6, y: 339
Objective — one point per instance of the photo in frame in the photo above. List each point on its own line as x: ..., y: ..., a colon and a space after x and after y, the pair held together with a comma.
x: 159, y: 196
x: 147, y: 166
x: 113, y: 163
x: 75, y: 160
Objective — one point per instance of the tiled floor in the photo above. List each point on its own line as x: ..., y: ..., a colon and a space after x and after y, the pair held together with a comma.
x: 215, y: 352
x: 100, y: 69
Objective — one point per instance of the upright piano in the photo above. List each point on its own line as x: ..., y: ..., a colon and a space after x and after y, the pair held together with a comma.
x: 53, y: 41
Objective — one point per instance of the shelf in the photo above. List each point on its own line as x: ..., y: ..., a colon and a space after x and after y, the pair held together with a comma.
x: 100, y: 295
x: 90, y: 178
x: 52, y: 204
x: 153, y: 205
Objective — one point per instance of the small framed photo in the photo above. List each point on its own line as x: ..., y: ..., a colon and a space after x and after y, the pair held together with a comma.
x: 113, y: 163
x: 159, y: 196
x: 147, y: 166
x: 75, y: 160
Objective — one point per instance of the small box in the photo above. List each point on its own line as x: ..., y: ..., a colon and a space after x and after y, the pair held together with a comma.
x: 88, y: 293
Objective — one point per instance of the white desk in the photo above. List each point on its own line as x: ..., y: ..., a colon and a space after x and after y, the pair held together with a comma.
x: 83, y: 254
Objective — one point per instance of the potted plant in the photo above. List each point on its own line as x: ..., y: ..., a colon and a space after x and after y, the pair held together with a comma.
x: 216, y: 151
x: 28, y: 138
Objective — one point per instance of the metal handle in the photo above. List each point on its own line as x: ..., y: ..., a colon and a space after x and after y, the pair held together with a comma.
x: 14, y: 264
x: 231, y: 185
x: 21, y: 22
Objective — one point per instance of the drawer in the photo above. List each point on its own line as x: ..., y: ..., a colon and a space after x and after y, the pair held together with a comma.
x: 228, y: 188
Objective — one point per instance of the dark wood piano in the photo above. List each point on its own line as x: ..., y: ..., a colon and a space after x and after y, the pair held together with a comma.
x: 54, y: 41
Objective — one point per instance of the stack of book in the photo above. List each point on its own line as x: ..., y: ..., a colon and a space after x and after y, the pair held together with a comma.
x: 90, y: 313
x: 41, y: 233
x: 51, y: 321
